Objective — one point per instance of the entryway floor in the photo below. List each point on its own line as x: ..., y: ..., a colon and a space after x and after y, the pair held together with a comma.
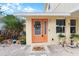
x: 25, y: 50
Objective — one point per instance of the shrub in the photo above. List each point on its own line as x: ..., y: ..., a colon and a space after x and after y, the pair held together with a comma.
x: 23, y: 39
x: 61, y: 36
x: 74, y: 36
x: 1, y: 38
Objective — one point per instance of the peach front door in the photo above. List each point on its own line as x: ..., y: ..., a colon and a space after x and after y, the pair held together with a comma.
x: 39, y: 30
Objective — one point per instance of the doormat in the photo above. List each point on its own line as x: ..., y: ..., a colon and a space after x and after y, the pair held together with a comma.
x: 39, y: 51
x: 38, y: 48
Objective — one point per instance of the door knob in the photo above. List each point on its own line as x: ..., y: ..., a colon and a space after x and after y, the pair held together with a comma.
x: 42, y: 35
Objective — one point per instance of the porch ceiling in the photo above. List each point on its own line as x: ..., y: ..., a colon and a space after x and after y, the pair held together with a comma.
x: 63, y: 7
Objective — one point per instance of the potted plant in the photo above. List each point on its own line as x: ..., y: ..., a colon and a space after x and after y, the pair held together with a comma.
x: 61, y: 39
x: 74, y: 39
x: 1, y: 38
x: 23, y: 39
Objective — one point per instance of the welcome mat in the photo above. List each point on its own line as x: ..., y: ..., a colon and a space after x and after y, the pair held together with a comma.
x: 39, y: 51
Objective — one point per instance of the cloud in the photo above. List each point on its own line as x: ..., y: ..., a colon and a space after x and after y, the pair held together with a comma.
x: 7, y: 9
x: 11, y: 8
x: 29, y: 9
x: 4, y: 8
x: 10, y: 11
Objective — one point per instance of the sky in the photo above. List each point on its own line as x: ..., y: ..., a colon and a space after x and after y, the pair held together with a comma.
x: 10, y: 8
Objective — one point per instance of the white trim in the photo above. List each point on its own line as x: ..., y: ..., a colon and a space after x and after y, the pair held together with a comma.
x: 76, y: 9
x: 42, y: 14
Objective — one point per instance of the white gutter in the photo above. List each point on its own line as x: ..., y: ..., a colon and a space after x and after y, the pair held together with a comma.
x: 42, y: 14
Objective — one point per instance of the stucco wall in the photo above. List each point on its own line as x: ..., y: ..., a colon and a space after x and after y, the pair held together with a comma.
x: 51, y: 28
x: 28, y: 31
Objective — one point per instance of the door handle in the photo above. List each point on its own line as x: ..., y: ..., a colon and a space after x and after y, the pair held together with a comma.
x: 42, y: 35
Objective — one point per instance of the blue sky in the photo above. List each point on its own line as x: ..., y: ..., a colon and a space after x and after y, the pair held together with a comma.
x: 10, y: 8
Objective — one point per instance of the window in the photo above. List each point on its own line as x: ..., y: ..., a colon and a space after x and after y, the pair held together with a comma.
x: 37, y: 27
x: 45, y: 27
x: 60, y: 25
x: 72, y: 26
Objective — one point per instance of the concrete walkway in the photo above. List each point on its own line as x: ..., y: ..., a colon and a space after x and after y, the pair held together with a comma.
x: 57, y: 50
x: 25, y: 50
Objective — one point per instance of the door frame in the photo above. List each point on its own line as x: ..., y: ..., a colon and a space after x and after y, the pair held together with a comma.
x: 46, y: 28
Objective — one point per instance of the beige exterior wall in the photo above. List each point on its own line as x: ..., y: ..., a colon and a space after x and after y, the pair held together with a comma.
x: 28, y: 31
x: 51, y: 28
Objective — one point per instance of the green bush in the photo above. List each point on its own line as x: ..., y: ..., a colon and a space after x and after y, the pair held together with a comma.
x: 74, y: 36
x: 1, y: 38
x: 61, y: 36
x: 23, y: 42
x: 23, y: 39
x: 62, y: 39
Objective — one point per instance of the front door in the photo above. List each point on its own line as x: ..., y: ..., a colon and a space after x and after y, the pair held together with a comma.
x: 39, y: 30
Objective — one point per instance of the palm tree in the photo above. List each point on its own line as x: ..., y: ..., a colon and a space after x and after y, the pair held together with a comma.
x: 13, y: 23
x: 19, y: 24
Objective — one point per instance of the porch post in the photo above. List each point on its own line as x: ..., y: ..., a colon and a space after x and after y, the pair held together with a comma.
x: 67, y: 28
x: 28, y: 31
x: 77, y: 25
